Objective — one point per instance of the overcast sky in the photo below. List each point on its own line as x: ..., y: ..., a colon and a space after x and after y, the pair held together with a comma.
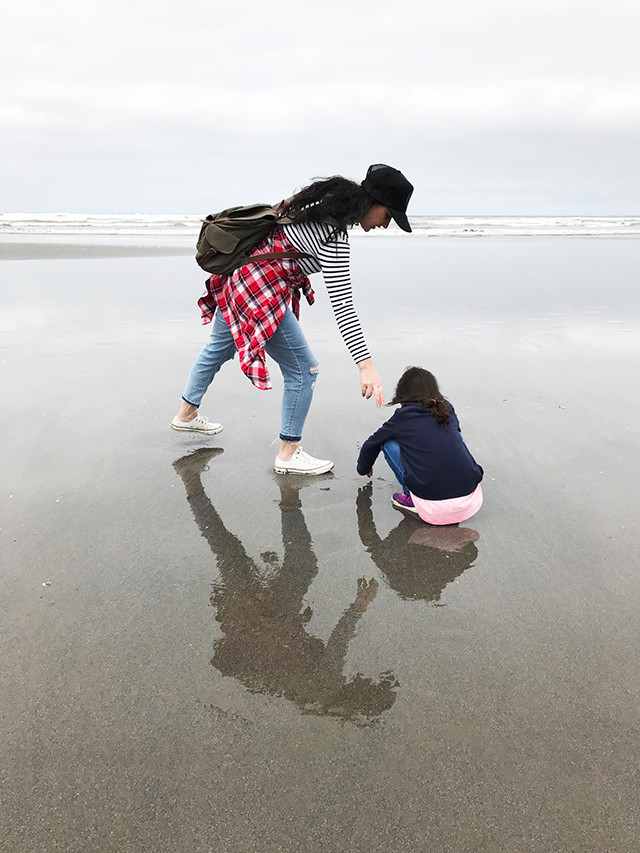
x: 488, y: 106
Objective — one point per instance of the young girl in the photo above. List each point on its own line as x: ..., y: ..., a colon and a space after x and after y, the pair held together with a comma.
x: 423, y: 445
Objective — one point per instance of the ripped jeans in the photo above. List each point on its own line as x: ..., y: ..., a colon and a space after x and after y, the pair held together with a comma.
x: 288, y: 347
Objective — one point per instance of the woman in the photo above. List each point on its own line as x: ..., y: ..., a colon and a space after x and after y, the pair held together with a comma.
x: 258, y: 304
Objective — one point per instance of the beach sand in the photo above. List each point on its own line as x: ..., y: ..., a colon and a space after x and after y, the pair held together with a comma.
x: 36, y: 251
x: 191, y: 660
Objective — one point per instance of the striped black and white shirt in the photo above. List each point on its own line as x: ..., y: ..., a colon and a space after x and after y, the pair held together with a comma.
x: 331, y: 256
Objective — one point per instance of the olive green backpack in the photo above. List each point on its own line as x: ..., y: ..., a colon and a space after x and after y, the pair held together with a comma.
x: 227, y: 238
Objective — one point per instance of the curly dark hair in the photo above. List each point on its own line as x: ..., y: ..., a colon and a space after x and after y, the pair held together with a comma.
x: 417, y: 385
x: 335, y: 200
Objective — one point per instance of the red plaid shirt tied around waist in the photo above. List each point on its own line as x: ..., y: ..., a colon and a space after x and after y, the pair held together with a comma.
x: 253, y: 301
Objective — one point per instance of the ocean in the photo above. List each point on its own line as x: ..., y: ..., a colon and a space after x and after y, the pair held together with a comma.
x: 181, y: 229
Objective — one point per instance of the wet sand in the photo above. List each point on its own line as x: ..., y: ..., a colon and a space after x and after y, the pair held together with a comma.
x: 200, y: 655
x: 15, y: 251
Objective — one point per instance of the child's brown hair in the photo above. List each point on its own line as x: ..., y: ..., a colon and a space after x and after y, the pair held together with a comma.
x: 417, y: 385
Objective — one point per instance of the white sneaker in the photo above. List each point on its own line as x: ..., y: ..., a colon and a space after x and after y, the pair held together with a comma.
x: 302, y: 463
x: 199, y: 424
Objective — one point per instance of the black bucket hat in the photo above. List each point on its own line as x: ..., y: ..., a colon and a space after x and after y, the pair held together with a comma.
x: 390, y: 187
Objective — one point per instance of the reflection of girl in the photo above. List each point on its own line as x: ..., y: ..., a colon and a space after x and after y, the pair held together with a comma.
x: 255, y: 304
x: 418, y: 562
x: 423, y: 445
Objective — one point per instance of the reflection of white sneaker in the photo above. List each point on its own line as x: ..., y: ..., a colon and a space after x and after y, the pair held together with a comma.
x: 199, y: 424
x: 196, y: 463
x: 302, y: 463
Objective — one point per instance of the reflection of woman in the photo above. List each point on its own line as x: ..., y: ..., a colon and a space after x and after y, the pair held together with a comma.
x: 265, y: 644
x: 418, y: 562
x: 254, y: 312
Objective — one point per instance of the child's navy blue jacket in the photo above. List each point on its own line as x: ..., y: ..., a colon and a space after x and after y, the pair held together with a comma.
x: 436, y: 460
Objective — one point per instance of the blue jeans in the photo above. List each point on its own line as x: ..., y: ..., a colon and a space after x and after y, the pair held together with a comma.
x: 391, y: 450
x: 288, y: 347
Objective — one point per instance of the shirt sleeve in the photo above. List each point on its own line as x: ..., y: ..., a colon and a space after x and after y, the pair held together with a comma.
x: 373, y: 445
x: 331, y: 249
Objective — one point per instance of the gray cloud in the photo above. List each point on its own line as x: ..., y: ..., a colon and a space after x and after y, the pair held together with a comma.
x: 488, y: 106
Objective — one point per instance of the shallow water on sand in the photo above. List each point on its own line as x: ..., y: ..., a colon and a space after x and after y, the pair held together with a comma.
x: 199, y: 654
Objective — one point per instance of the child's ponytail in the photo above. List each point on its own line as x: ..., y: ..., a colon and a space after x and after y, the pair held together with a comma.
x: 439, y: 409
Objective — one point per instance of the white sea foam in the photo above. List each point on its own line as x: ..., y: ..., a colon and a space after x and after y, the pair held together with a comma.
x: 528, y: 226
x: 187, y: 226
x: 521, y: 226
x: 116, y: 224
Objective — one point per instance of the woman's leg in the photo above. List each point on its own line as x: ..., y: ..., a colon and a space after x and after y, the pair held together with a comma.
x: 219, y: 348
x: 391, y: 450
x: 289, y: 348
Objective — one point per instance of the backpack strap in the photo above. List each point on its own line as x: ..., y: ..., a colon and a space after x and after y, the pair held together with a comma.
x: 270, y: 256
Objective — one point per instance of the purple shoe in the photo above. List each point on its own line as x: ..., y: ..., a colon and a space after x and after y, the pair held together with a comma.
x: 401, y: 501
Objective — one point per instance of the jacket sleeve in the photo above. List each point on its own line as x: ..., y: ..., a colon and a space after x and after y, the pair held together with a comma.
x: 373, y: 445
